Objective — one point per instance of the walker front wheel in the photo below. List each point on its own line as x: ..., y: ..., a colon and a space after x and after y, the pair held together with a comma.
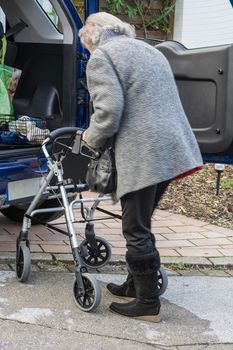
x: 90, y: 299
x: 23, y: 263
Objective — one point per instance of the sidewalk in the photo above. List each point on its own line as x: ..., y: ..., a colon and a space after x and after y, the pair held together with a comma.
x: 179, y: 239
x: 41, y: 314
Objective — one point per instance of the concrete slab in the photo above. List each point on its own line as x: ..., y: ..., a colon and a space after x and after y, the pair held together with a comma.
x: 41, y: 314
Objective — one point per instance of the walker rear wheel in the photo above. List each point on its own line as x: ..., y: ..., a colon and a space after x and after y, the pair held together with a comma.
x: 162, y: 281
x: 96, y: 258
x: 90, y: 299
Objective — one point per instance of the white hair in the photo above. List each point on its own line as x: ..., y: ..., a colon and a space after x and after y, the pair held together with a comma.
x: 98, y: 22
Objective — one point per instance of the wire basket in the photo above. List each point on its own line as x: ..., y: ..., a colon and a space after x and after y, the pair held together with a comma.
x: 31, y: 130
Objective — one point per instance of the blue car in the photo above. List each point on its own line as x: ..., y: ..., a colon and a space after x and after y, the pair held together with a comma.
x: 43, y: 44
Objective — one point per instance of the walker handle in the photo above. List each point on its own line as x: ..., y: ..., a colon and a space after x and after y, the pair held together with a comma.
x: 70, y: 130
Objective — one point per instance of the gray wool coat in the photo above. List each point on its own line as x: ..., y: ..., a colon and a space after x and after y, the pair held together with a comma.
x: 135, y: 97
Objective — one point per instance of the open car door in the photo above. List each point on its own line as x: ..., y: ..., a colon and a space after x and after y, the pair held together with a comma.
x: 204, y: 75
x: 205, y: 81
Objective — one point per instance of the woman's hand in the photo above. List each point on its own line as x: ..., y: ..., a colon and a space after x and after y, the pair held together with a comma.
x: 84, y: 136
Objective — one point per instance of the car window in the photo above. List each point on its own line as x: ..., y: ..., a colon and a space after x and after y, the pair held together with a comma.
x: 203, y: 23
x: 51, y: 13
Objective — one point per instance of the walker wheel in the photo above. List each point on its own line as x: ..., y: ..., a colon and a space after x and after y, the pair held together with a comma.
x: 23, y: 264
x: 162, y: 281
x: 99, y: 258
x: 92, y: 295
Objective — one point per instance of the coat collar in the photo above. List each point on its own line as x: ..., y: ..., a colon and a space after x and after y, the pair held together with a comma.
x: 107, y: 35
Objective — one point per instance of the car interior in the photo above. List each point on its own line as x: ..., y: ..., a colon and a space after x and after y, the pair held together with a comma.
x: 46, y: 55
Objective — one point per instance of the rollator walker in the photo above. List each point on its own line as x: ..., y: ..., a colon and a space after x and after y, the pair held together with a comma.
x: 93, y: 252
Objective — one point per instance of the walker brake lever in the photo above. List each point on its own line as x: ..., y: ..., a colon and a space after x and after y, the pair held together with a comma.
x: 79, y: 147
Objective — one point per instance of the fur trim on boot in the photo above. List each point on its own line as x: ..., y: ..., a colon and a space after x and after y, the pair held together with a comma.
x: 145, y: 264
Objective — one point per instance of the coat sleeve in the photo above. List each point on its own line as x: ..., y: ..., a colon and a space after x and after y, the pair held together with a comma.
x: 107, y: 97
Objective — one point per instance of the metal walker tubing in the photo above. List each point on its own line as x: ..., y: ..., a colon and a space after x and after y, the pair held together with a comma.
x: 76, y: 204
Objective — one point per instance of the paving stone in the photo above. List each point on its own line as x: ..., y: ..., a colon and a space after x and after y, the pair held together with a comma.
x: 230, y: 272
x: 52, y: 268
x: 217, y: 273
x: 210, y: 241
x: 186, y: 228
x: 168, y: 252
x: 117, y: 259
x: 190, y: 273
x: 187, y: 260
x: 218, y: 347
x: 162, y: 230
x: 71, y: 268
x: 109, y: 231
x: 120, y: 251
x: 35, y: 248
x: 196, y: 251
x: 64, y: 257
x: 116, y: 225
x: 7, y: 247
x: 169, y: 223
x: 174, y: 243
x: 5, y: 267
x: 118, y: 244
x: 212, y: 234
x: 12, y: 266
x: 195, y: 347
x: 159, y: 237
x: 34, y: 268
x: 55, y: 248
x: 110, y: 237
x: 216, y: 228
x: 7, y: 257
x: 47, y: 242
x: 163, y: 213
x: 185, y: 236
x: 205, y: 347
x: 7, y: 238
x: 46, y: 236
x: 222, y: 261
x: 41, y: 257
x: 190, y: 221
x: 226, y: 252
x: 172, y: 273
x: 114, y: 269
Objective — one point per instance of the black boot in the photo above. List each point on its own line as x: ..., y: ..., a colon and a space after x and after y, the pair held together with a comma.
x: 140, y: 309
x: 146, y: 306
x: 125, y: 290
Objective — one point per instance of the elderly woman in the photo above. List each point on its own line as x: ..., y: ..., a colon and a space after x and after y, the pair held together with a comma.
x: 135, y: 99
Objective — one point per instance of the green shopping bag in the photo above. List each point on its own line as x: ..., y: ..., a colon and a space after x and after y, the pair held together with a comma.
x: 9, y: 78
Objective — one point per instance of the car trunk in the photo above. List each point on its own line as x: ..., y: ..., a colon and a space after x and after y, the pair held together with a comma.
x: 47, y: 59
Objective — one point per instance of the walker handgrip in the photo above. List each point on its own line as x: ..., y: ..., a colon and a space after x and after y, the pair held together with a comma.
x: 63, y: 132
